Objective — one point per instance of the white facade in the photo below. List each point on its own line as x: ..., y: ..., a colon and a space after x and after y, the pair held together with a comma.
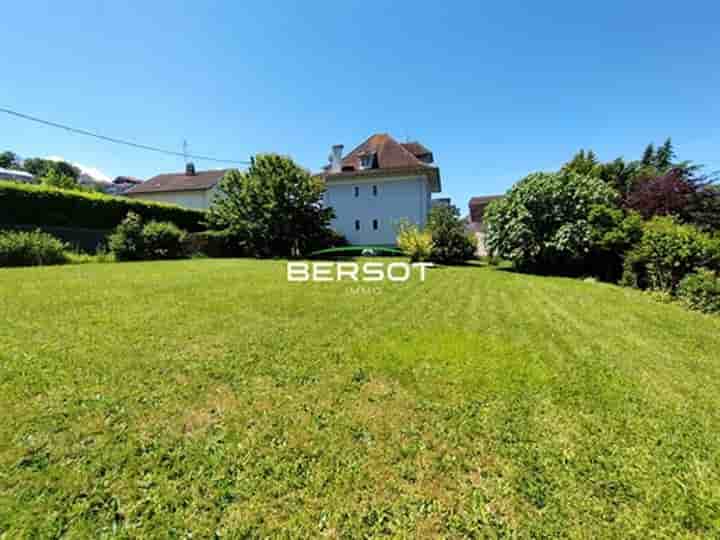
x: 195, y: 199
x: 18, y: 176
x: 369, y: 208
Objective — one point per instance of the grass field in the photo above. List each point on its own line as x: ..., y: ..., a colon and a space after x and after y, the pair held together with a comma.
x: 212, y: 397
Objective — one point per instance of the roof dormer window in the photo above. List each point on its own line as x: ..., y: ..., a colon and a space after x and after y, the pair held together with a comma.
x: 367, y: 160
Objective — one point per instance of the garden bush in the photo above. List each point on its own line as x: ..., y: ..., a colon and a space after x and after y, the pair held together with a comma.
x: 163, y: 240
x: 612, y: 233
x: 668, y: 251
x: 700, y: 290
x: 542, y: 224
x: 415, y: 243
x: 217, y: 244
x: 451, y: 242
x: 24, y: 204
x: 126, y: 242
x: 33, y: 248
x: 133, y: 241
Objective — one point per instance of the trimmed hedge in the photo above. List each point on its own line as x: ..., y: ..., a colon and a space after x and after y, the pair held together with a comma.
x: 23, y: 204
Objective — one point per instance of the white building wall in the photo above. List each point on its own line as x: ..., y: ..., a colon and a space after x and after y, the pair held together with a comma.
x: 198, y: 200
x: 396, y: 199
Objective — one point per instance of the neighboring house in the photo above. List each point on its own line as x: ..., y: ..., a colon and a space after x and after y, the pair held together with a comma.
x: 476, y: 223
x: 378, y: 184
x: 122, y: 184
x: 442, y: 201
x: 18, y: 176
x: 192, y: 189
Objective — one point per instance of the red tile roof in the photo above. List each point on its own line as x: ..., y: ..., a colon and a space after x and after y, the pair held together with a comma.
x: 416, y: 149
x: 389, y: 154
x: 389, y: 157
x: 201, y: 180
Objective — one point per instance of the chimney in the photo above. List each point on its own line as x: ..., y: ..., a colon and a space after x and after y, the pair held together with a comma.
x: 336, y: 158
x: 190, y: 169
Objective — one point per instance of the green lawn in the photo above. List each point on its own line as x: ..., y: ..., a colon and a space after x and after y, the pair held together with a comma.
x: 213, y: 397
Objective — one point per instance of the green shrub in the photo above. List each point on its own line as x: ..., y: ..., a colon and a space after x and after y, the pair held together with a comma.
x: 542, y: 223
x: 612, y: 234
x: 451, y: 242
x: 700, y: 290
x: 415, y: 243
x: 163, y: 240
x: 133, y: 241
x: 30, y: 249
x: 126, y: 242
x: 668, y: 252
x: 217, y: 244
x: 25, y: 204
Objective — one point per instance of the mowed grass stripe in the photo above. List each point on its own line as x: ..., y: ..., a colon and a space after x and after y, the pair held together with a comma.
x: 207, y: 396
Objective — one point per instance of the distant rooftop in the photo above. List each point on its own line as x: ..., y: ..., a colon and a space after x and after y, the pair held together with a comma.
x: 15, y: 173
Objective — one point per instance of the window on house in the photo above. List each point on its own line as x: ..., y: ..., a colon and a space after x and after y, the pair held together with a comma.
x: 366, y: 161
x: 375, y: 224
x: 374, y: 191
x: 357, y: 224
x: 357, y: 191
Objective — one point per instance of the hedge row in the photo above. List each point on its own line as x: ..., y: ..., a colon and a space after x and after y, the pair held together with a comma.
x: 22, y: 204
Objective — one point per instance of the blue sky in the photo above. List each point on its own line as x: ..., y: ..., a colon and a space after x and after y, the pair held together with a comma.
x: 495, y: 89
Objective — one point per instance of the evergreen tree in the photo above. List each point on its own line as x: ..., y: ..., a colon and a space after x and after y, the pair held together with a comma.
x: 648, y: 158
x: 664, y: 156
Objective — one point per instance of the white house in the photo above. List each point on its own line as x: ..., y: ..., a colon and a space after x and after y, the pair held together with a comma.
x: 378, y: 184
x: 192, y: 189
x: 18, y: 176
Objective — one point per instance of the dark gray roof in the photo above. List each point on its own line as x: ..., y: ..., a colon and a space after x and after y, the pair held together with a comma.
x: 201, y: 180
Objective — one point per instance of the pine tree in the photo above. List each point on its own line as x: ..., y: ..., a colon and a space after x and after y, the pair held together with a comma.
x: 664, y: 156
x: 648, y: 155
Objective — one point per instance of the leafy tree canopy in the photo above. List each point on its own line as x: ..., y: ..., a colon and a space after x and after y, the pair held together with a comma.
x: 9, y: 160
x: 542, y: 223
x: 54, y: 178
x: 275, y: 206
x: 451, y: 242
x: 40, y: 167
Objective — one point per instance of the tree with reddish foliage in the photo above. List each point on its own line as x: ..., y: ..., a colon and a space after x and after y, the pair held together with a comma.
x: 664, y: 195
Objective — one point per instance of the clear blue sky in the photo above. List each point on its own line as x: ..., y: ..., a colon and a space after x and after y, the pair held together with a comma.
x: 495, y: 89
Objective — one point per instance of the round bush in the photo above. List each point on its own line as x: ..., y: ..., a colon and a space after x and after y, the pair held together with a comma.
x: 542, y: 224
x: 701, y: 291
x: 30, y: 249
x: 163, y: 240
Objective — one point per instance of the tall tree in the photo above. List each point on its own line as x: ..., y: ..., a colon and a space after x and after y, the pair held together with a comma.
x: 619, y: 174
x: 582, y: 163
x: 40, y: 167
x: 9, y: 160
x: 668, y: 194
x: 665, y: 155
x: 648, y: 157
x: 275, y: 206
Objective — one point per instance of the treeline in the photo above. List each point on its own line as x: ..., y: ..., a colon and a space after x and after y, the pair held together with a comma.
x: 650, y: 223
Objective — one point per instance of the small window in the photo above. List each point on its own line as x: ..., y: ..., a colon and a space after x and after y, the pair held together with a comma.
x: 374, y: 191
x: 366, y: 161
x: 375, y: 224
x: 357, y: 191
x: 357, y: 224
